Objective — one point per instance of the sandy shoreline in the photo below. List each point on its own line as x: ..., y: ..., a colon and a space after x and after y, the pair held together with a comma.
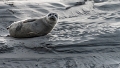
x: 84, y: 61
x: 86, y: 36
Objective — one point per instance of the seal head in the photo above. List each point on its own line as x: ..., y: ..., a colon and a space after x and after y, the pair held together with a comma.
x: 52, y: 17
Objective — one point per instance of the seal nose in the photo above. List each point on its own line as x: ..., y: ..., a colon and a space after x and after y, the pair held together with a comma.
x: 52, y: 16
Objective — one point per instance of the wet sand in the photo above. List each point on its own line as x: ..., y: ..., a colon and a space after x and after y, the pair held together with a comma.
x: 86, y: 36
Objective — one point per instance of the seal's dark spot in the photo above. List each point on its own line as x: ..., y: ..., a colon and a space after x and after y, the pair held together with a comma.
x: 36, y: 24
x: 18, y: 28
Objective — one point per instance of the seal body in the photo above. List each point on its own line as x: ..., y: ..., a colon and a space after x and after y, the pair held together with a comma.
x: 33, y: 27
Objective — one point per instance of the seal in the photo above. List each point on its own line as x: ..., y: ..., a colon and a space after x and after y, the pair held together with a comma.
x: 33, y: 27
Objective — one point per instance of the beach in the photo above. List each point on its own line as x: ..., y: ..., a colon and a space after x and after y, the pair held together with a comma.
x: 87, y: 34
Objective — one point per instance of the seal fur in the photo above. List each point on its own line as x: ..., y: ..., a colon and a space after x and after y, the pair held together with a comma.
x: 33, y: 27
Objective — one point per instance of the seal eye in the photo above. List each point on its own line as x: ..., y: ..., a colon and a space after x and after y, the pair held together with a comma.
x: 56, y: 16
x: 49, y: 14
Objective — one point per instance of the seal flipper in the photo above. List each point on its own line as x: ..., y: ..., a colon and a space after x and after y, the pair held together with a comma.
x: 7, y: 27
x: 29, y: 20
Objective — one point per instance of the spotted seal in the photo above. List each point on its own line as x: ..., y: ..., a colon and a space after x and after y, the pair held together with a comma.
x: 33, y: 27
